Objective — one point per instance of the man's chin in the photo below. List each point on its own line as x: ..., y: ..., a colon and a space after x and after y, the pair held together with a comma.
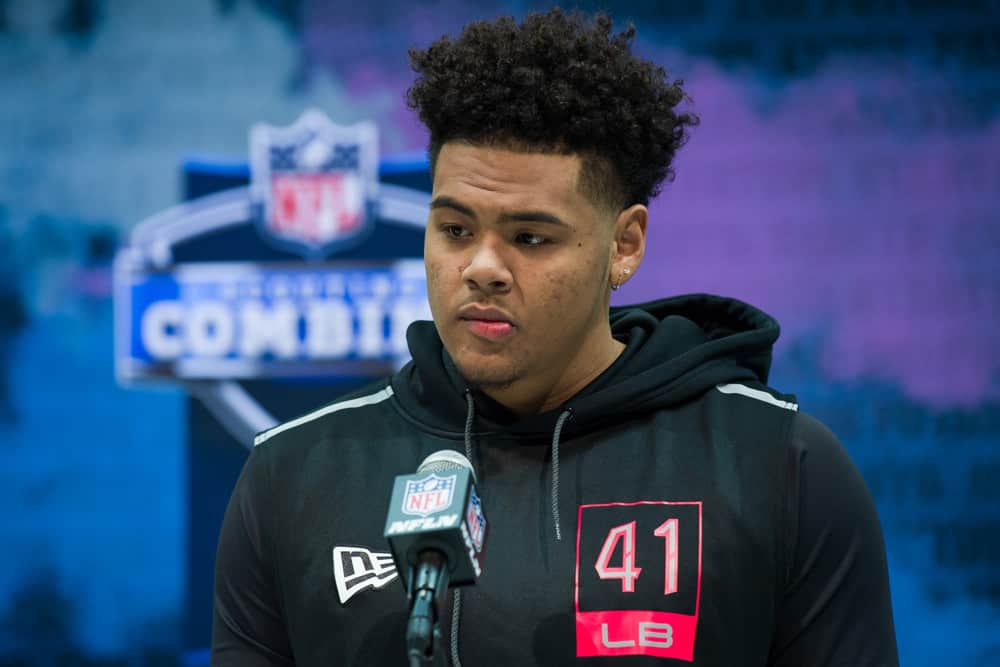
x: 485, y: 376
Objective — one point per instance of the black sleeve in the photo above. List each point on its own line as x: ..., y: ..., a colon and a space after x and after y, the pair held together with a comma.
x: 836, y: 610
x: 248, y: 628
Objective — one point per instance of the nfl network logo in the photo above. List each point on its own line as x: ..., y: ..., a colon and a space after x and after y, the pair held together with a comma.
x: 314, y: 184
x: 428, y: 495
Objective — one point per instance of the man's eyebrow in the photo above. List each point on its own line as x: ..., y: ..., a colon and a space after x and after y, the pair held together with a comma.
x: 512, y: 216
x: 448, y: 202
x: 532, y: 216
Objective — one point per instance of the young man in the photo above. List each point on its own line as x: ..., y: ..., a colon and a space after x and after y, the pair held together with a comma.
x: 650, y: 498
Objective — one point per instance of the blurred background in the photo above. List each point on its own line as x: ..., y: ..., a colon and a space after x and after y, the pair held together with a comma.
x: 845, y: 178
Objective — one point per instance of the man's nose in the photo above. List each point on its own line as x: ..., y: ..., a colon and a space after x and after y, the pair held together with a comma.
x: 487, y: 271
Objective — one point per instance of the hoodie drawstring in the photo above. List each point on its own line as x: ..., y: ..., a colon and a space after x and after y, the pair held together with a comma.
x: 470, y: 415
x: 567, y: 413
x: 456, y: 613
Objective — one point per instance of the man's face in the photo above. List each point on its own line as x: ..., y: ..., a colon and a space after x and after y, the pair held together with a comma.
x: 517, y: 261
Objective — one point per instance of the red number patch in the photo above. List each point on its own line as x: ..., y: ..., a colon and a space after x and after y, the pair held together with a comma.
x: 623, y: 607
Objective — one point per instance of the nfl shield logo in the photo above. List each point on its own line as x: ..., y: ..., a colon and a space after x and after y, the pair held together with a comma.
x: 314, y: 183
x: 475, y: 520
x: 428, y: 495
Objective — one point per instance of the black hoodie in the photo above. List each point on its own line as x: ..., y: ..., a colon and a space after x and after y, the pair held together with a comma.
x: 676, y: 511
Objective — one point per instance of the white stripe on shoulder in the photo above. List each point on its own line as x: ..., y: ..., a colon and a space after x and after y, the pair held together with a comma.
x: 743, y: 390
x: 360, y: 401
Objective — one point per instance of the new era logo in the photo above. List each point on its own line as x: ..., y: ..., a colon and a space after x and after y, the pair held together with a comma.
x: 356, y: 569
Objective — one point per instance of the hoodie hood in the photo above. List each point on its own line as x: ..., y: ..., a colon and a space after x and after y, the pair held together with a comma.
x: 676, y: 349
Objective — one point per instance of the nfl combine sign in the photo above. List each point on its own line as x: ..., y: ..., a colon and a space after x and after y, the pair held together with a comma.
x: 313, y: 192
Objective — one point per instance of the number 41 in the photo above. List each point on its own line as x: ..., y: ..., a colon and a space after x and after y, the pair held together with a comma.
x: 628, y: 571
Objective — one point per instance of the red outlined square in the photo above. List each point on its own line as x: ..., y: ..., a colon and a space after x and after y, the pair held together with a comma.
x: 656, y: 632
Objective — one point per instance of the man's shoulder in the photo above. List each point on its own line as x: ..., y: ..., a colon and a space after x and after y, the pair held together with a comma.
x: 805, y: 431
x: 354, y: 413
x: 755, y: 412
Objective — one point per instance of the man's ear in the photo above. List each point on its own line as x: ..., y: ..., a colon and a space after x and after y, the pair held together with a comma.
x: 628, y: 244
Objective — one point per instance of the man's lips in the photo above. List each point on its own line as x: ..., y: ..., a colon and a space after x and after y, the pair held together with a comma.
x: 484, y: 313
x: 490, y: 329
x: 489, y: 323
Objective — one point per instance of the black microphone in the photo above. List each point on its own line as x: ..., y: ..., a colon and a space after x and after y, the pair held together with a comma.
x: 437, y: 535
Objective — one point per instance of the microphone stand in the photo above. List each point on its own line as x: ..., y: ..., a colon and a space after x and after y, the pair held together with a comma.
x: 428, y: 583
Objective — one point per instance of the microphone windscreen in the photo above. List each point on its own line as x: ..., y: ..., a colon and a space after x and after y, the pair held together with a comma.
x: 446, y: 459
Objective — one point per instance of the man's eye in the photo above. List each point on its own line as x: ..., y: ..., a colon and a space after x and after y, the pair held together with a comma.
x: 454, y: 231
x: 531, y: 239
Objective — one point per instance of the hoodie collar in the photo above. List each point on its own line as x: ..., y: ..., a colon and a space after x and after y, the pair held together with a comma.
x: 675, y: 349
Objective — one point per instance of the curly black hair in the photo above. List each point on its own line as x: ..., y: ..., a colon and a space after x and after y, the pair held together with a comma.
x: 559, y: 83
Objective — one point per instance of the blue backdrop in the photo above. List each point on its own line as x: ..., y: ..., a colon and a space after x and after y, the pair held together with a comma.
x: 845, y: 178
